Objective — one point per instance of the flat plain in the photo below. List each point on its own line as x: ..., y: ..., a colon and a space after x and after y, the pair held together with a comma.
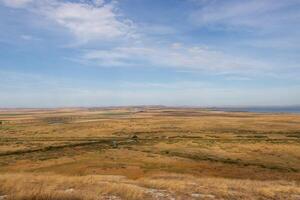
x: 148, y: 153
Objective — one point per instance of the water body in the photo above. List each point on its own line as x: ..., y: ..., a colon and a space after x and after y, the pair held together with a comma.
x: 261, y: 109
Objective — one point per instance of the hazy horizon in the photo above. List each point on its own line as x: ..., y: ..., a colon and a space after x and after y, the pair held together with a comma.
x: 158, y: 106
x: 97, y: 53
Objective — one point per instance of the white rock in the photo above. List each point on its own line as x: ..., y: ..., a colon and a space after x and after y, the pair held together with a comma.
x: 3, y: 197
x: 70, y: 190
x: 111, y: 197
x: 209, y: 196
x: 195, y: 195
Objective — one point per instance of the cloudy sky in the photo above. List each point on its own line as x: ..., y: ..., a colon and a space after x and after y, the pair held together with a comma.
x: 57, y: 53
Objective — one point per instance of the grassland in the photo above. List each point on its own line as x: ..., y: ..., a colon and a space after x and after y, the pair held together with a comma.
x: 148, y: 153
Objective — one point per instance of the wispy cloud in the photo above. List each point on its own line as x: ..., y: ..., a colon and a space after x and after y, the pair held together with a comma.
x: 191, y: 93
x: 176, y: 56
x: 259, y: 14
x: 89, y: 22
x: 29, y: 37
x: 16, y: 3
x: 86, y: 20
x: 100, y: 21
x: 266, y: 26
x: 275, y: 42
x: 107, y: 38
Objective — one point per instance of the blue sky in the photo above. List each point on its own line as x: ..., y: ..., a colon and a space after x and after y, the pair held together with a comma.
x: 56, y: 53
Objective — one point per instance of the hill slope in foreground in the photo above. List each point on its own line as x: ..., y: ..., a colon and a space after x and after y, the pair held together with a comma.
x: 148, y: 153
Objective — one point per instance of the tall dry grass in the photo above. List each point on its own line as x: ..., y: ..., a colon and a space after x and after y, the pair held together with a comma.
x: 57, y: 187
x: 159, y: 186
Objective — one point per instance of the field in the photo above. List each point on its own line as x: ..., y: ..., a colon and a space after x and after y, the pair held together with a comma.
x: 148, y: 153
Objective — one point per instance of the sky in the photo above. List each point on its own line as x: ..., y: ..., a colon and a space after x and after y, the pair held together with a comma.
x: 70, y: 53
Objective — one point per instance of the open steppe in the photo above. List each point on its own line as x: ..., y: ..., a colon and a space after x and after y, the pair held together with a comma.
x: 148, y: 153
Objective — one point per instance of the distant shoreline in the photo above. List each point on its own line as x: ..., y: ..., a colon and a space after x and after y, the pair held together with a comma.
x: 253, y: 109
x: 271, y: 109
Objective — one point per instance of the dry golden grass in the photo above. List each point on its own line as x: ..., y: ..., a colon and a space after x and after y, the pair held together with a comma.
x: 159, y: 186
x: 179, y: 153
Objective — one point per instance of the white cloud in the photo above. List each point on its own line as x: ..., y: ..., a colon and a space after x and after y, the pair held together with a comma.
x: 264, y: 24
x: 176, y: 45
x: 261, y: 14
x: 99, y: 20
x: 26, y: 37
x: 98, y: 2
x: 284, y: 43
x: 88, y: 22
x: 30, y: 38
x: 176, y: 56
x: 15, y: 3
